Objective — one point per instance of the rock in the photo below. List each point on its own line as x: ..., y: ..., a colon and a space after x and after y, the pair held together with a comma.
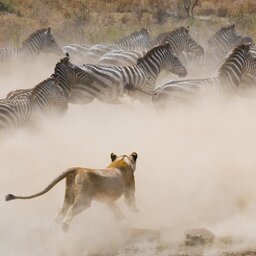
x: 198, y: 236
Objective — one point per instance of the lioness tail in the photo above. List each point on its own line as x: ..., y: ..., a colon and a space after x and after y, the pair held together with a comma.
x: 50, y: 186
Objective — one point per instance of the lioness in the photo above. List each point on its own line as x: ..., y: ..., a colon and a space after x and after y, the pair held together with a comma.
x: 83, y: 185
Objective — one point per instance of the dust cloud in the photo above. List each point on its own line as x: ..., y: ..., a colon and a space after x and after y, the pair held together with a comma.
x: 196, y: 168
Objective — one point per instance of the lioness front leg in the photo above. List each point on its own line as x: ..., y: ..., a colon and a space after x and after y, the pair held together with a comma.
x: 116, y: 211
x: 130, y: 201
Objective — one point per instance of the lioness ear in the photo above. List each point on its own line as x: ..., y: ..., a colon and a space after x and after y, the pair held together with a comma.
x: 135, y: 156
x: 113, y: 157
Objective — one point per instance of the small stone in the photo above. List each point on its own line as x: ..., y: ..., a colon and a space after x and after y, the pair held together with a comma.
x: 198, y: 236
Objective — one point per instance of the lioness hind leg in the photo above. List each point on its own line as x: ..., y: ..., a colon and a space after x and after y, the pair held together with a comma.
x: 68, y: 199
x: 116, y: 211
x: 80, y: 204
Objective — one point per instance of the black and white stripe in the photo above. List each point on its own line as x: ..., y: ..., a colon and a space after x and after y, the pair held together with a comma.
x: 239, y: 62
x: 109, y: 83
x: 139, y: 40
x: 40, y: 41
x: 216, y: 49
x: 44, y: 98
x: 179, y: 39
x: 135, y: 41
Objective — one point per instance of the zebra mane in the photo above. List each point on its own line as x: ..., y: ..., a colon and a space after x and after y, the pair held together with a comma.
x: 38, y: 32
x: 39, y: 86
x: 232, y: 55
x: 153, y: 50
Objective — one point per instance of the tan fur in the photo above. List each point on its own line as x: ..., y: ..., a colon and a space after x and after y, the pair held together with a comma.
x: 84, y: 185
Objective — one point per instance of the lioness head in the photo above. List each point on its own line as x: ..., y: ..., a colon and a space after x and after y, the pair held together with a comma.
x: 124, y: 160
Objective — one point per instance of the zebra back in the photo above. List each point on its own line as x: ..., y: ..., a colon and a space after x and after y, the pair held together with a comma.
x: 121, y: 57
x: 135, y: 41
x: 19, y: 94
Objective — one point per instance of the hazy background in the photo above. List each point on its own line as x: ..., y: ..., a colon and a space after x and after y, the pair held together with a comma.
x: 196, y: 165
x: 196, y: 168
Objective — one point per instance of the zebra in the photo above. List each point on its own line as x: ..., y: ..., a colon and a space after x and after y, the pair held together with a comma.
x: 44, y: 98
x: 70, y: 78
x: 179, y: 39
x: 121, y: 57
x: 136, y: 41
x: 227, y: 83
x: 77, y: 51
x: 19, y: 94
x: 108, y: 84
x: 40, y: 41
x: 216, y: 49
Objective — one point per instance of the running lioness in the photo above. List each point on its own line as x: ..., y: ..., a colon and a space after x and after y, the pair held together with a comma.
x: 83, y: 185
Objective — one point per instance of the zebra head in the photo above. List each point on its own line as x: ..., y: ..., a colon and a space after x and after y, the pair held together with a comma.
x: 225, y: 39
x: 68, y: 75
x: 173, y: 64
x: 41, y: 41
x: 49, y: 44
x: 188, y: 43
x: 62, y: 75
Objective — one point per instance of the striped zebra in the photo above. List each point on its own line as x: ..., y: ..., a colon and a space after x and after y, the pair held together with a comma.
x: 179, y: 39
x: 71, y: 78
x: 40, y: 41
x: 19, y: 94
x: 136, y: 41
x: 216, y: 49
x: 44, y: 98
x: 77, y: 51
x: 108, y: 84
x: 239, y: 62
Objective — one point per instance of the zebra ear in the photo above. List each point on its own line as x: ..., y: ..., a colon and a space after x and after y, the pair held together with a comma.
x: 167, y: 44
x: 49, y: 30
x: 66, y: 59
x: 113, y: 157
x: 144, y: 30
x: 187, y: 29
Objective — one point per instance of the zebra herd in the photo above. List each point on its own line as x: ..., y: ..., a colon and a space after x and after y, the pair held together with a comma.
x: 130, y: 66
